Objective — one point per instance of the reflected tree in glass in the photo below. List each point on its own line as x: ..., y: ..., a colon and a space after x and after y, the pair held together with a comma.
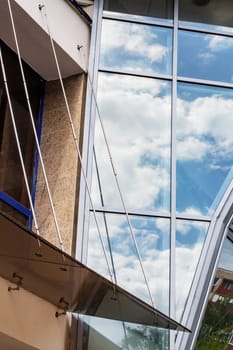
x: 217, y: 325
x: 145, y: 338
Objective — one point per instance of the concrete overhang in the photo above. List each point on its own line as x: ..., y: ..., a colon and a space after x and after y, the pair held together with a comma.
x: 68, y: 31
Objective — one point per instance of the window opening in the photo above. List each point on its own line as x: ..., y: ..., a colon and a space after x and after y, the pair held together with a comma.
x: 12, y: 185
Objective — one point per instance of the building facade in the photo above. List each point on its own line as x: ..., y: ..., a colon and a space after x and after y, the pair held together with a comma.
x: 27, y: 31
x: 126, y: 145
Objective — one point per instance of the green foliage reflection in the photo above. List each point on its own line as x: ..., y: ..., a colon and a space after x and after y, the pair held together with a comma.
x: 145, y: 338
x: 217, y: 325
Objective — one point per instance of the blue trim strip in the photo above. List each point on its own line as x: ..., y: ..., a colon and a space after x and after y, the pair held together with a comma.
x: 82, y: 12
x: 36, y: 162
x: 14, y: 204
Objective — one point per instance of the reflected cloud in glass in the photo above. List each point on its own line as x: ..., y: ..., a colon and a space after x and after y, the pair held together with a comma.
x: 136, y: 48
x: 136, y: 113
x: 153, y: 240
x: 204, y: 146
x: 190, y: 238
x: 205, y: 56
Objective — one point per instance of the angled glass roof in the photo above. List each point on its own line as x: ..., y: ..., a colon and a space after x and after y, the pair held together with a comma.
x: 46, y: 271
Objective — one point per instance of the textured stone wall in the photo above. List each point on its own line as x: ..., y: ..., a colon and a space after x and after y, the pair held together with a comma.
x: 61, y: 159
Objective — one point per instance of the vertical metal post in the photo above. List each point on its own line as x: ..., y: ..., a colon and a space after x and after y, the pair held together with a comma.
x: 173, y: 176
x: 81, y: 244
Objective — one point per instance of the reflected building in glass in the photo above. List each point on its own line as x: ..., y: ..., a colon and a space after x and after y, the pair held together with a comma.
x: 159, y: 148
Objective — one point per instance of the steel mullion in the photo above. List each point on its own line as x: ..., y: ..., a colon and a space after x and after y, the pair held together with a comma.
x: 166, y: 77
x: 81, y: 244
x: 136, y: 19
x: 205, y: 82
x: 149, y: 213
x: 172, y: 297
x: 205, y: 31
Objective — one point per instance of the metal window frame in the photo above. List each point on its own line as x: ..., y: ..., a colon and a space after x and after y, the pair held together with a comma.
x: 205, y: 271
x: 15, y: 204
x: 167, y: 23
x: 81, y: 240
x: 173, y: 174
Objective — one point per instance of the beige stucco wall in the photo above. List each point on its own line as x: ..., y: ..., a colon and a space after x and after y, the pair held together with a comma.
x: 60, y: 158
x: 31, y: 320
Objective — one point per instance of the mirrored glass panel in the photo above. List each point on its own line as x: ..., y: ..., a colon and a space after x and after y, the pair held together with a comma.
x: 205, y: 56
x: 136, y: 114
x: 136, y: 48
x: 214, y: 13
x: 216, y: 329
x: 101, y: 334
x: 145, y: 8
x: 204, y: 146
x: 190, y: 236
x: 153, y: 239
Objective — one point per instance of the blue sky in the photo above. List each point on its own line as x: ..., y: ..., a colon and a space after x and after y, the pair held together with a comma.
x: 136, y: 112
x: 146, y: 49
x: 205, y: 56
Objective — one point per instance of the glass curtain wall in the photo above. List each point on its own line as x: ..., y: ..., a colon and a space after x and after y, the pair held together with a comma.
x: 165, y: 98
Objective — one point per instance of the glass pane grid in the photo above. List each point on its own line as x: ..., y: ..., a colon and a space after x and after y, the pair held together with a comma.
x: 202, y: 94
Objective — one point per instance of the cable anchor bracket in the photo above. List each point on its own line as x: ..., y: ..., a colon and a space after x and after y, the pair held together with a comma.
x: 63, y: 306
x: 18, y: 282
x: 41, y: 6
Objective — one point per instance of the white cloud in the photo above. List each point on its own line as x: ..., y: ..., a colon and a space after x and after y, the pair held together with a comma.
x: 219, y: 43
x: 192, y: 148
x: 206, y: 56
x: 202, y: 128
x: 137, y: 122
x: 138, y: 41
x: 191, y: 211
x: 137, y: 119
x: 185, y: 227
x: 155, y: 263
x: 186, y: 262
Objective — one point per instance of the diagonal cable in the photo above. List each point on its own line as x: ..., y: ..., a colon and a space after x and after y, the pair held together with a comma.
x: 75, y: 138
x: 34, y: 128
x: 104, y: 216
x: 18, y: 144
x: 118, y: 186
